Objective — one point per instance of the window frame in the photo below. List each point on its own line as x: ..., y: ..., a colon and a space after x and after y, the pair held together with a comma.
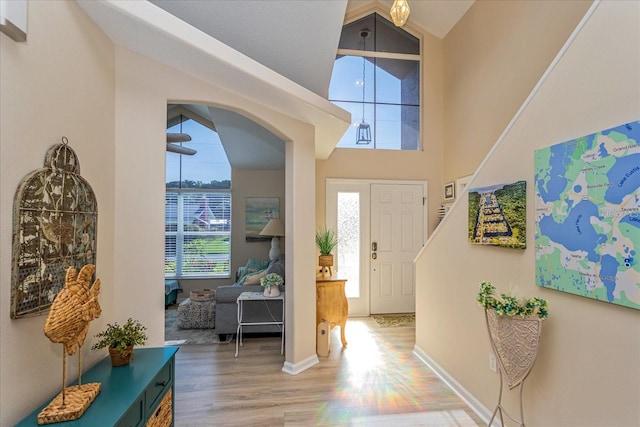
x: 374, y: 104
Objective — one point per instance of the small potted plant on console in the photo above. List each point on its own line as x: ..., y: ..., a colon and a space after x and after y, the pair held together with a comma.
x: 326, y: 240
x: 120, y: 340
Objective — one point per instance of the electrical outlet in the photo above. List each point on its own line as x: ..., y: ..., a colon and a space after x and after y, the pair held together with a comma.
x: 492, y: 362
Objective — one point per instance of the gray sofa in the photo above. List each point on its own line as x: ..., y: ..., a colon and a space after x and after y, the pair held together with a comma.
x: 226, y: 307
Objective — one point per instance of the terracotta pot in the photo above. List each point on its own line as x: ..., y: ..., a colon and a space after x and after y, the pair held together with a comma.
x: 121, y: 359
x: 325, y: 260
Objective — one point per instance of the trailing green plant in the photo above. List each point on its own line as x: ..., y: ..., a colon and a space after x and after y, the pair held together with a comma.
x: 506, y: 305
x: 326, y: 240
x: 120, y: 337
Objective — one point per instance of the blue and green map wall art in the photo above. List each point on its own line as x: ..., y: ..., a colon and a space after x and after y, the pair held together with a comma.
x: 498, y: 215
x: 588, y: 216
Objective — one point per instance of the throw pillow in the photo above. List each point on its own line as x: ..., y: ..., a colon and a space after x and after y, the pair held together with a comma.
x: 254, y: 265
x: 254, y: 279
x: 277, y: 266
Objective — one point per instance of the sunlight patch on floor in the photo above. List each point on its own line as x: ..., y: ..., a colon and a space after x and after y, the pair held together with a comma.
x: 382, y: 379
x: 363, y: 353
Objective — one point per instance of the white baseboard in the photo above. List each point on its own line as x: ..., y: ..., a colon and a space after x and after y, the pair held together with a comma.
x: 473, y: 403
x: 296, y: 368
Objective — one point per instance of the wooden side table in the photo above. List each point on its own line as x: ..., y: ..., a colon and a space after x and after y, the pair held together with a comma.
x: 331, y: 304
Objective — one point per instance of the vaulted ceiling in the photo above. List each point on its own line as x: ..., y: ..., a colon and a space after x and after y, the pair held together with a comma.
x: 297, y: 39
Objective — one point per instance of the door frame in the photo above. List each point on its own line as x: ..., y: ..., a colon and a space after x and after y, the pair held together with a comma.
x: 363, y: 308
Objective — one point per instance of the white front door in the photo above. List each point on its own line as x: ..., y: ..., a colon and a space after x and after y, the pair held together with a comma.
x: 391, y: 214
x: 396, y: 237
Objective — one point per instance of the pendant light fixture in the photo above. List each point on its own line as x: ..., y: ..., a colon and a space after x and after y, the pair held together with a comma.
x: 400, y: 12
x: 363, y: 135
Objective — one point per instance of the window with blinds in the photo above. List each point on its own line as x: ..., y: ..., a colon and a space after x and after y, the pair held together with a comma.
x: 197, y: 201
x: 197, y: 234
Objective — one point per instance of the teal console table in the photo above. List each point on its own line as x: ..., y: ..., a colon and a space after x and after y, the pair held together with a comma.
x: 131, y: 395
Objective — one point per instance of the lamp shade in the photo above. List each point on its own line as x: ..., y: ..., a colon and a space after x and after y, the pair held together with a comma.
x: 273, y: 228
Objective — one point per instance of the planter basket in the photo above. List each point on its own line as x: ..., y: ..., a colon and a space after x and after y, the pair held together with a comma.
x: 121, y: 359
x: 514, y: 340
x: 326, y: 265
x: 325, y: 260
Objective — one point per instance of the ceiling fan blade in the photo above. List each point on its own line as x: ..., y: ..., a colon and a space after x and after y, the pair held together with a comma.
x: 178, y: 137
x: 180, y: 150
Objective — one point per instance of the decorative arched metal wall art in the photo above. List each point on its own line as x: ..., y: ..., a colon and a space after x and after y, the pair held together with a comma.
x: 55, y: 219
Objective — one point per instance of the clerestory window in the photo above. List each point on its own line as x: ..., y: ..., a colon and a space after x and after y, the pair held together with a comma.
x: 376, y: 77
x: 197, y: 204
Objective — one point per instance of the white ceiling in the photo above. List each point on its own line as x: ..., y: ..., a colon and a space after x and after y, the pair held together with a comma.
x: 437, y: 17
x: 247, y: 144
x: 297, y: 39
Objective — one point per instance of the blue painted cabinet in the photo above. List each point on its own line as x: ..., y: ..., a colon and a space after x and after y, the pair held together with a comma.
x: 131, y: 395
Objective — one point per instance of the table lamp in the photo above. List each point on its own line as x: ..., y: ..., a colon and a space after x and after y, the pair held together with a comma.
x: 274, y: 228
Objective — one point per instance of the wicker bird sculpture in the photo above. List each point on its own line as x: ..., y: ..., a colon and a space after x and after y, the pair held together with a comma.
x: 74, y: 307
x: 68, y: 323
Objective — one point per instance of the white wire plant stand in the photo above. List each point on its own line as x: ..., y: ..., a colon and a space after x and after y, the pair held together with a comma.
x: 514, y: 340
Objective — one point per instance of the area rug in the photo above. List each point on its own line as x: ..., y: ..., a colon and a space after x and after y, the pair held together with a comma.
x: 175, y: 336
x: 395, y: 320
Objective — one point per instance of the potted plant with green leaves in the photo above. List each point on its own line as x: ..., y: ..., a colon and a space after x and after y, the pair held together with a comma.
x: 271, y: 284
x: 326, y: 240
x: 120, y: 340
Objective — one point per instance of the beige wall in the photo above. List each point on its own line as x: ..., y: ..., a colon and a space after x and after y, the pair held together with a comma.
x: 140, y: 275
x: 493, y: 58
x: 245, y: 183
x: 254, y: 183
x: 300, y: 231
x: 587, y: 372
x: 425, y: 165
x: 59, y: 83
x: 68, y: 79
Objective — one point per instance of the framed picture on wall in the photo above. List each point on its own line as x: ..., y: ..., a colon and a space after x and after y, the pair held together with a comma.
x: 498, y: 215
x: 258, y: 212
x: 449, y: 191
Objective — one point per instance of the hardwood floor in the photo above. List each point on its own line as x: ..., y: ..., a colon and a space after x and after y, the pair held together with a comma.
x: 375, y: 381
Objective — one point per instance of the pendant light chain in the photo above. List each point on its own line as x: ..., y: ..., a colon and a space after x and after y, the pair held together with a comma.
x: 363, y: 134
x: 364, y: 63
